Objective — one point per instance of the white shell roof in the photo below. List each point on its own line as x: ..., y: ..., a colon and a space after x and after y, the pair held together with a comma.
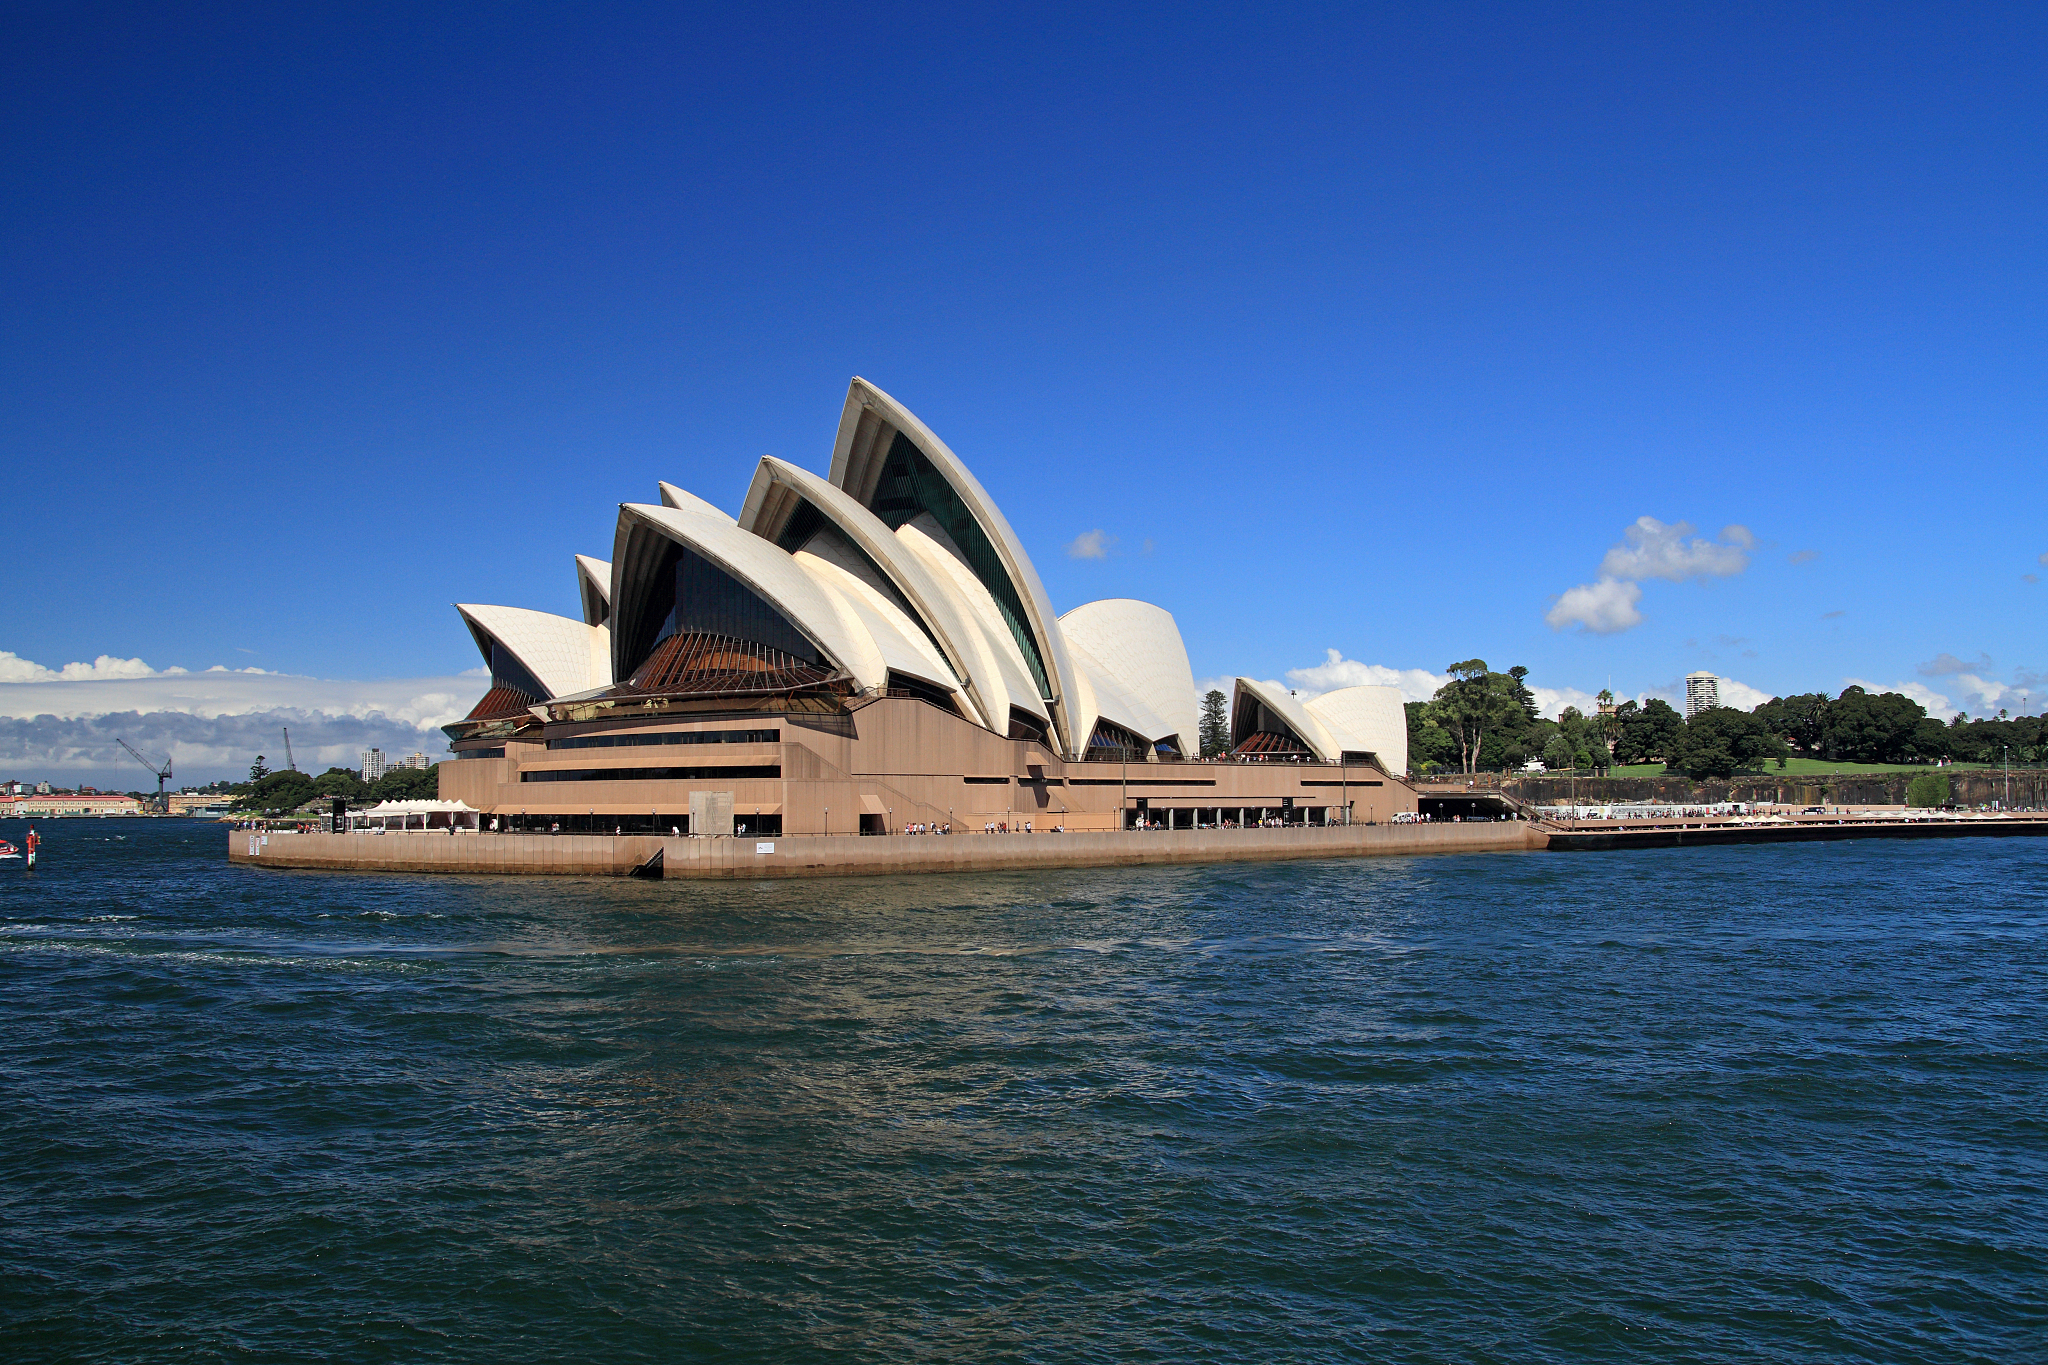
x: 672, y: 496
x: 862, y: 396
x: 1307, y: 727
x: 819, y: 612
x: 1139, y: 646
x: 903, y: 646
x: 932, y: 597
x: 564, y: 655
x: 1007, y: 681
x: 593, y: 587
x: 1368, y: 719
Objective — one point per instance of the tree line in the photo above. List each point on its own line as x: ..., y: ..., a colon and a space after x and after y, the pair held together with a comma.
x: 1487, y: 721
x: 289, y: 789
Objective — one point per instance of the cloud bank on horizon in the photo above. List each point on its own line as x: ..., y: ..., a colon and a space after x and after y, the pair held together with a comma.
x: 63, y: 723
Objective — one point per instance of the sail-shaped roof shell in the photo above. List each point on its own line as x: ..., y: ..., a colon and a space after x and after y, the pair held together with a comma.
x: 594, y: 587
x: 1366, y: 720
x: 821, y: 614
x: 563, y: 655
x: 1139, y: 646
x: 869, y: 427
x: 1288, y: 712
x: 776, y: 498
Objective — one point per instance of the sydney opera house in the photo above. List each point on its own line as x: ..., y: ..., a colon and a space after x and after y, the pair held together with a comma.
x: 872, y: 649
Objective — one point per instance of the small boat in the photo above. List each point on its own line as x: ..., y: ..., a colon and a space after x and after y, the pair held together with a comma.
x: 8, y: 850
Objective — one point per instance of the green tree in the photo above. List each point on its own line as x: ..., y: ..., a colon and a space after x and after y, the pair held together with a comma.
x: 1215, y: 725
x: 1862, y: 728
x: 408, y: 784
x: 1801, y: 719
x: 1475, y: 703
x: 1721, y: 743
x: 1429, y: 746
x: 1558, y: 755
x: 276, y: 792
x: 1523, y: 696
x: 258, y: 770
x: 340, y: 782
x: 1647, y: 734
x: 1928, y: 790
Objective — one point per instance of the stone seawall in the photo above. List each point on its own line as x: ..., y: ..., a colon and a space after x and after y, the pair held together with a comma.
x: 1970, y: 787
x: 591, y: 855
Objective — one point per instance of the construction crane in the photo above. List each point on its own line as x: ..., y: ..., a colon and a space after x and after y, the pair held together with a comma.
x: 288, y: 748
x: 163, y: 775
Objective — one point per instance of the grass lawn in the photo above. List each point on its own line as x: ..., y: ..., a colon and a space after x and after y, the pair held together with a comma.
x: 1804, y: 767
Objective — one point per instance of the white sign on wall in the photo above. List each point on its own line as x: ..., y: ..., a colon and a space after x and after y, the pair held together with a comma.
x: 764, y: 848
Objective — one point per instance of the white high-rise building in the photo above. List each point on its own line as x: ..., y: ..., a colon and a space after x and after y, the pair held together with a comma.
x: 414, y: 760
x: 374, y: 766
x: 1702, y: 693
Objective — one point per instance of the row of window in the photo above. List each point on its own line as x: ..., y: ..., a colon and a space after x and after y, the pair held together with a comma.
x: 666, y: 737
x: 652, y: 774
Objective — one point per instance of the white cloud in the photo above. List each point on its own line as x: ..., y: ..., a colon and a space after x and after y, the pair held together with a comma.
x: 1657, y: 550
x: 1093, y: 544
x: 63, y: 723
x: 1551, y: 701
x: 1603, y: 608
x: 1742, y: 696
x: 2044, y: 557
x: 1802, y: 556
x: 15, y: 669
x: 1944, y: 664
x: 1335, y: 671
x: 423, y: 703
x: 1650, y: 549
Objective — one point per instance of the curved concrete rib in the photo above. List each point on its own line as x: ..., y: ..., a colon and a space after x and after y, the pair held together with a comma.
x: 564, y: 655
x: 820, y: 613
x: 779, y: 488
x: 1366, y: 720
x: 867, y: 427
x: 594, y: 587
x: 1289, y: 712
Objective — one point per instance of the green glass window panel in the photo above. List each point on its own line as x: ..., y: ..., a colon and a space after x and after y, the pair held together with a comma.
x: 909, y: 485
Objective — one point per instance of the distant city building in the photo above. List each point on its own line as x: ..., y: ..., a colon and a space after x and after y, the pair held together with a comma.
x: 413, y: 760
x: 47, y: 805
x: 1702, y: 693
x: 42, y: 789
x: 374, y: 765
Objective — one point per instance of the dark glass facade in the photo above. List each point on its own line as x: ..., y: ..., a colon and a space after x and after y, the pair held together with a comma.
x: 507, y: 672
x: 669, y: 737
x: 910, y: 484
x: 691, y: 595
x: 652, y: 774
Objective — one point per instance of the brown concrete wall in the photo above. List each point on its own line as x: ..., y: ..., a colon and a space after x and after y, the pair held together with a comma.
x: 913, y: 760
x: 816, y: 856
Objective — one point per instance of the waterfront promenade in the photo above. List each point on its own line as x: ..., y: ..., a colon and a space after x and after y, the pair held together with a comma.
x: 607, y: 855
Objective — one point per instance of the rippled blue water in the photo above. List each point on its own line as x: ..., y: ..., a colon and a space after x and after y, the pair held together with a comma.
x: 1744, y: 1104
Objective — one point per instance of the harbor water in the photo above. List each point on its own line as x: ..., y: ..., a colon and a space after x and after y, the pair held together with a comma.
x: 1778, y: 1103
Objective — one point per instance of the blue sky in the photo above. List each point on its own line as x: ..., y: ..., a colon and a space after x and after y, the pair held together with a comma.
x: 1360, y: 329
